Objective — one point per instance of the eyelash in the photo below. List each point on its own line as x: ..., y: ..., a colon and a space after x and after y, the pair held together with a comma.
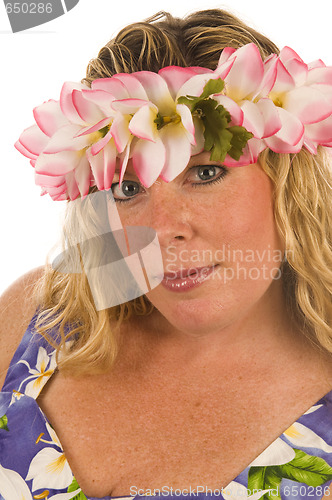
x: 217, y: 179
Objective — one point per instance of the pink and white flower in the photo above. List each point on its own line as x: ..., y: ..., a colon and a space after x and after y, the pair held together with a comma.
x: 60, y: 143
x: 77, y: 141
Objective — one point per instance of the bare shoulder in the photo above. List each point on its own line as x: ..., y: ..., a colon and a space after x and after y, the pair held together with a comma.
x: 17, y: 306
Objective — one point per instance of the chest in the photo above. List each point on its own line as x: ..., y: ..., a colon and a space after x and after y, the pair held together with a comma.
x: 121, y: 434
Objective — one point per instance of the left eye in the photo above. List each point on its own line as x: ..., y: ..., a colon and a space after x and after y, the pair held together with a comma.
x: 206, y: 173
x: 128, y: 189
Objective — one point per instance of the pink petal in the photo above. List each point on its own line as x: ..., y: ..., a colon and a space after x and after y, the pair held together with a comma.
x: 272, y: 122
x: 316, y: 64
x: 246, y: 73
x: 232, y: 107
x: 176, y: 76
x: 133, y: 86
x: 47, y: 181
x: 103, y: 166
x: 66, y: 101
x: 142, y: 123
x: 72, y: 187
x: 49, y: 117
x: 89, y: 130
x: 24, y: 151
x: 298, y: 70
x: 287, y: 54
x: 101, y: 98
x: 308, y: 104
x: 87, y: 110
x: 252, y: 119
x: 110, y: 154
x: 113, y: 86
x: 320, y: 132
x: 250, y: 154
x: 120, y: 132
x: 58, y: 163
x: 33, y: 140
x: 83, y: 176
x: 195, y: 85
x: 65, y: 139
x: 187, y: 122
x: 124, y: 157
x: 56, y: 193
x: 279, y: 146
x: 223, y: 70
x: 269, y: 77
x: 310, y: 145
x: 148, y: 160
x: 320, y: 75
x: 157, y: 91
x: 292, y: 129
x: 226, y: 53
x: 98, y: 146
x: 128, y: 106
x: 97, y: 167
x: 178, y: 151
x: 284, y: 82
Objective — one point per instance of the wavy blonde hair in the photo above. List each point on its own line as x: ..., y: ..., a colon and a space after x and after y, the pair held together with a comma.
x: 302, y: 202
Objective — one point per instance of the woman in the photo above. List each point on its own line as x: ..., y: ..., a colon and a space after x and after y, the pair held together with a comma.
x: 219, y: 377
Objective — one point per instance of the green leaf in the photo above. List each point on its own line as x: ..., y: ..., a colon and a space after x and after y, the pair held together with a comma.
x: 4, y: 422
x: 219, y: 138
x: 74, y: 486
x: 308, y: 469
x: 264, y: 478
x: 212, y: 87
x: 239, y: 140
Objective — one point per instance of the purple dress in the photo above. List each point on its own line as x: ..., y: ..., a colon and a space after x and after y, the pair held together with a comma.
x: 297, y: 465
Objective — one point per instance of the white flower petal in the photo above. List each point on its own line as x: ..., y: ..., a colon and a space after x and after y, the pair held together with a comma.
x: 42, y: 360
x: 49, y: 469
x: 66, y: 496
x: 300, y: 435
x: 312, y: 409
x: 53, y: 435
x: 13, y: 486
x: 277, y: 453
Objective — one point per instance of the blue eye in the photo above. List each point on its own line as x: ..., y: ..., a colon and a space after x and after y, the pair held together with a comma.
x: 127, y: 191
x: 206, y: 174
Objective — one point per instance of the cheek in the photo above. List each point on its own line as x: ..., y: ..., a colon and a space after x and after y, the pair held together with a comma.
x: 246, y: 218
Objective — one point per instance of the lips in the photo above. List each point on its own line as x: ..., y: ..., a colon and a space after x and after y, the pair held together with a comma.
x: 185, y: 273
x: 184, y: 280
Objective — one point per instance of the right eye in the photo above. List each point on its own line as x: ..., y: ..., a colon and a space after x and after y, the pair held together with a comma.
x: 127, y: 191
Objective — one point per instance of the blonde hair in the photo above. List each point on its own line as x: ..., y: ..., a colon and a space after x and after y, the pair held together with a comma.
x: 302, y: 204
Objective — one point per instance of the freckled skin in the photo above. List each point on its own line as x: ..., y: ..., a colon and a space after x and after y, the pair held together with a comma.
x: 234, y: 214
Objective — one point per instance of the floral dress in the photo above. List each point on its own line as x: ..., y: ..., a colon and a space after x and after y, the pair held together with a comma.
x: 297, y: 465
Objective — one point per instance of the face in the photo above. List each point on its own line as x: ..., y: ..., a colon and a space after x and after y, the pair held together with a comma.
x: 220, y: 245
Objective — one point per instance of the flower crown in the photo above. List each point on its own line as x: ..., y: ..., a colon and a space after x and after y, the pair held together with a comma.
x: 158, y: 120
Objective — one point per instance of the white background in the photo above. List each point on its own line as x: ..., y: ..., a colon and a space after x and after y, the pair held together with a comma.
x: 36, y: 62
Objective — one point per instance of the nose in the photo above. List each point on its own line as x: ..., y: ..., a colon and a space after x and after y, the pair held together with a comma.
x: 171, y: 216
